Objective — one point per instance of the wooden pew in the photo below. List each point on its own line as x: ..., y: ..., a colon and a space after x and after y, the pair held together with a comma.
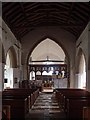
x: 27, y: 96
x: 62, y: 93
x: 18, y: 98
x: 16, y: 95
x: 17, y: 108
x: 75, y: 108
x: 6, y: 112
x: 65, y: 98
x: 31, y: 95
x: 74, y: 95
x: 86, y: 113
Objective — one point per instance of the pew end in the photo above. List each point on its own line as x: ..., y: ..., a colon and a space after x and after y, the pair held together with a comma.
x: 86, y: 113
x: 6, y: 111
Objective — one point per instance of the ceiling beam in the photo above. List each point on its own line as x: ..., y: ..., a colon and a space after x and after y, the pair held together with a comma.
x: 70, y: 12
x: 59, y: 24
x: 77, y: 14
x: 7, y: 7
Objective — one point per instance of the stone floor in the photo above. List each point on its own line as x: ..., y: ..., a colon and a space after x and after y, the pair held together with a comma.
x: 46, y: 108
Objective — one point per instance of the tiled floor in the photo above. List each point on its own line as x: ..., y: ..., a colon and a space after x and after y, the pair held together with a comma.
x: 46, y: 108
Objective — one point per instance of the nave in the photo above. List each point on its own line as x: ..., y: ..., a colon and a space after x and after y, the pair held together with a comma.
x: 46, y: 108
x: 31, y: 104
x: 45, y: 45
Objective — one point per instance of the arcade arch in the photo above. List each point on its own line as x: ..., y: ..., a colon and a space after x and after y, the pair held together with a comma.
x: 11, y: 63
x: 81, y: 70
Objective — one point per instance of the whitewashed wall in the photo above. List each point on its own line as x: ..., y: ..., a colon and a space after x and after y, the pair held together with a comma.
x: 65, y: 39
x: 84, y: 43
x: 88, y: 74
x: 8, y: 40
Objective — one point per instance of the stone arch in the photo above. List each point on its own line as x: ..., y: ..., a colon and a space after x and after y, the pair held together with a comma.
x: 53, y: 39
x: 78, y: 57
x: 2, y: 52
x: 59, y: 43
x: 3, y: 55
x: 81, y: 80
x: 89, y: 63
x: 11, y: 65
x: 13, y: 57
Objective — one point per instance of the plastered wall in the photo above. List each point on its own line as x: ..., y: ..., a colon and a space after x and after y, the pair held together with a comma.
x: 66, y: 40
x: 7, y: 41
x: 84, y: 43
x: 60, y: 36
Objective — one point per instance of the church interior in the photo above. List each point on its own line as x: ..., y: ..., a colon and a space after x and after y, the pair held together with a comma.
x: 45, y: 61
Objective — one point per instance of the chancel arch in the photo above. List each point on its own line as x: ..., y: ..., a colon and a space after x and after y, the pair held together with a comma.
x: 62, y: 38
x: 49, y: 59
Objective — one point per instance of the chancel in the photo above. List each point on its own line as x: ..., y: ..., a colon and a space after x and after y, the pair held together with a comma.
x: 45, y: 61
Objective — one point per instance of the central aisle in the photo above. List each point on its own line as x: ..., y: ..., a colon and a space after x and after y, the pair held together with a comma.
x: 46, y: 108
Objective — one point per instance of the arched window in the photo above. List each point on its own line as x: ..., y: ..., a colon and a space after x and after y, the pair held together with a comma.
x: 32, y: 75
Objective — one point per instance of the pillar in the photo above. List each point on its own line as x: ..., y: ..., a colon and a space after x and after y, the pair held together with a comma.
x: 88, y: 68
x: 25, y: 72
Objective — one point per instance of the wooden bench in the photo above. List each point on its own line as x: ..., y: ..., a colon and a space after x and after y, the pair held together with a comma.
x: 20, y: 98
x: 68, y: 99
x: 6, y: 111
x: 75, y: 108
x: 17, y: 108
x: 16, y: 95
x: 86, y: 113
x: 74, y: 95
x: 62, y: 93
x: 31, y: 94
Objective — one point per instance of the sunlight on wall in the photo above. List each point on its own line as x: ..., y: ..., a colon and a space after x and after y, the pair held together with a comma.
x: 8, y: 73
x: 47, y: 52
x: 47, y: 73
x: 82, y: 73
x: 32, y: 75
x: 47, y: 48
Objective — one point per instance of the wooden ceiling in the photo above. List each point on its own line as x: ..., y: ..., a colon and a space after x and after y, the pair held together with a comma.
x: 22, y: 17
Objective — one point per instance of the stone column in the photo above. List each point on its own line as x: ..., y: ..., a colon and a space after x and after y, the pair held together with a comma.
x: 88, y: 69
x: 72, y: 77
x: 16, y: 77
x: 88, y: 81
x: 1, y: 86
x: 1, y: 76
x: 76, y: 79
x: 25, y: 72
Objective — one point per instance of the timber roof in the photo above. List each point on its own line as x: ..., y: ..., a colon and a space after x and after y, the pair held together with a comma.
x: 23, y: 17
